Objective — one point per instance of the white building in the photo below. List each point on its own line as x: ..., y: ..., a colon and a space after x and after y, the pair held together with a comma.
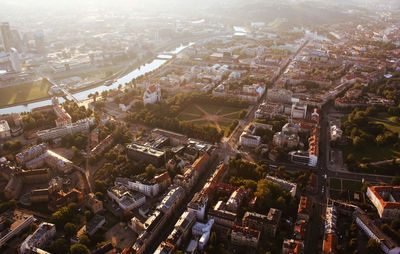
x: 58, y: 132
x: 198, y: 205
x: 369, y: 227
x: 125, y: 198
x: 336, y: 133
x: 152, y: 94
x: 256, y: 87
x: 171, y: 200
x: 299, y: 111
x: 148, y: 188
x: 11, y: 60
x: 203, y: 231
x: 249, y: 140
x: 43, y: 234
x: 5, y: 131
x: 303, y: 157
x: 386, y: 199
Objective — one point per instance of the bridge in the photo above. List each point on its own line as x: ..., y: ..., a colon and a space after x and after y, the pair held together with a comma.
x: 66, y: 93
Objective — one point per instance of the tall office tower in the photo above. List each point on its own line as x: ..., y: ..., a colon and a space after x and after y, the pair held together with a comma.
x: 15, y: 61
x: 6, y: 35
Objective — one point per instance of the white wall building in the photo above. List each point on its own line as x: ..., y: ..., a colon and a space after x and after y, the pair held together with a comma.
x: 149, y: 189
x: 5, y: 131
x: 249, y: 140
x: 299, y: 111
x: 336, y: 133
x: 152, y: 94
x: 44, y: 233
x: 203, y: 231
x: 57, y: 132
x: 198, y: 205
x: 125, y: 198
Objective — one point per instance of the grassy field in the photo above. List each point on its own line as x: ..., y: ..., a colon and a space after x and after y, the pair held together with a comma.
x: 192, y: 110
x: 228, y: 110
x: 187, y: 117
x: 388, y: 121
x: 211, y: 109
x: 215, y: 115
x: 24, y: 92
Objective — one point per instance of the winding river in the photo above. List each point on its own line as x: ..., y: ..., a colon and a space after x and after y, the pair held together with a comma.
x: 155, y: 64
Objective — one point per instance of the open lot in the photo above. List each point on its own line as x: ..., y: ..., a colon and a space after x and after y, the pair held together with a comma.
x: 121, y: 236
x: 204, y: 114
x: 24, y: 92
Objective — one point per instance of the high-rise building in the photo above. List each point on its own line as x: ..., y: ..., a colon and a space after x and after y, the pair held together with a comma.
x: 6, y: 36
x: 14, y: 60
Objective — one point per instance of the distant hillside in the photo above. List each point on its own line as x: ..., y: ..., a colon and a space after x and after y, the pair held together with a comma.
x: 297, y: 14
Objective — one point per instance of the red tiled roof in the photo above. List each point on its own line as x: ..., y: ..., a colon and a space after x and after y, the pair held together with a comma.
x: 152, y: 89
x: 304, y: 205
x: 330, y: 242
x: 246, y: 231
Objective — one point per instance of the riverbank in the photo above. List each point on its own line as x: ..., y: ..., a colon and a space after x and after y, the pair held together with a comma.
x: 24, y: 93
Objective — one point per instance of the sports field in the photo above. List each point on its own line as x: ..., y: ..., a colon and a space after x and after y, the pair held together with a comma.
x: 24, y: 92
x: 206, y: 114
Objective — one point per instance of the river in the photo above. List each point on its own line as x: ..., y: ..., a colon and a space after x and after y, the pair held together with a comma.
x: 83, y: 95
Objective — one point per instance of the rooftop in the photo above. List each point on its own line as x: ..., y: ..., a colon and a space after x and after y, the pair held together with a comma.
x: 94, y: 222
x: 145, y: 149
x: 388, y: 196
x: 4, y: 126
x: 247, y: 232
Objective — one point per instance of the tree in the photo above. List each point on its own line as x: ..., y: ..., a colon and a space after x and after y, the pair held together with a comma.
x: 100, y: 186
x: 60, y: 217
x: 70, y: 229
x: 84, y: 239
x: 395, y: 225
x: 79, y: 249
x: 88, y: 215
x: 150, y: 171
x: 73, y: 208
x: 59, y: 246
